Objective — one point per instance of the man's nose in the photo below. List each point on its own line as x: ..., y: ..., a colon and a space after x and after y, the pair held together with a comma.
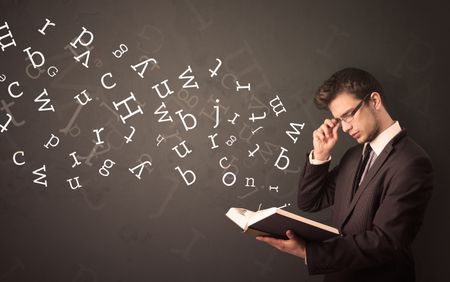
x: 345, y: 126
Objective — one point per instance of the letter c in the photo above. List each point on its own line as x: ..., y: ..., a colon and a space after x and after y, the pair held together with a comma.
x: 9, y: 90
x: 103, y: 81
x: 14, y: 157
x: 221, y: 165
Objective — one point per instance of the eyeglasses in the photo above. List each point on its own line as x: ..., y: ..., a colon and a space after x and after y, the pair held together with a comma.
x: 348, y: 117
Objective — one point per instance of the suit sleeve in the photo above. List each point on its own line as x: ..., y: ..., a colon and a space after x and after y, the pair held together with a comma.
x: 394, y: 226
x: 316, y: 186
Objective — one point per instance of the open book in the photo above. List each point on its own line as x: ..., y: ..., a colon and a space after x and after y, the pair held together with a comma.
x: 275, y: 222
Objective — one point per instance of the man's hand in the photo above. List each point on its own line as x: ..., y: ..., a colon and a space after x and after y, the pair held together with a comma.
x: 294, y: 245
x: 325, y: 138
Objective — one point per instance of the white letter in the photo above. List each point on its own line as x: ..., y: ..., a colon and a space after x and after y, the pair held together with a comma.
x: 282, y: 156
x: 42, y: 175
x: 103, y: 170
x: 221, y: 165
x: 14, y: 157
x: 9, y: 34
x: 212, y: 140
x: 253, y: 118
x: 189, y: 78
x: 274, y: 107
x: 71, y: 185
x: 225, y: 176
x: 86, y: 98
x: 163, y: 113
x: 97, y: 131
x: 82, y: 42
x: 296, y: 132
x: 183, y: 174
x: 252, y: 154
x: 46, y: 101
x: 248, y: 180
x: 52, y: 71
x: 75, y: 158
x: 47, y: 23
x: 145, y: 63
x: 232, y: 121
x: 10, y: 92
x: 239, y: 87
x: 122, y: 49
x: 141, y: 166
x: 183, y: 120
x: 214, y: 72
x: 217, y: 114
x: 3, y: 127
x: 186, y: 150
x: 27, y: 50
x: 128, y: 138
x: 104, y: 84
x: 85, y: 63
x: 53, y: 137
x: 130, y: 114
x: 168, y: 91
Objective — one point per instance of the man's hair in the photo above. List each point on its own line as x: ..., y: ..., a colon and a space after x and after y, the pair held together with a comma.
x: 352, y: 80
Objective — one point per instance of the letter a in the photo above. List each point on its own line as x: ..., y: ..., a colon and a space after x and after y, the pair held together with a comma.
x: 141, y: 167
x: 145, y: 64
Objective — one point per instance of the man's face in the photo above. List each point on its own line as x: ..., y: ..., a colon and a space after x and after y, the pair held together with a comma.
x: 364, y: 125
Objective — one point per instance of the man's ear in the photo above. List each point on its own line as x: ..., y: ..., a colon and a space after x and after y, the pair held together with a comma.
x: 375, y: 100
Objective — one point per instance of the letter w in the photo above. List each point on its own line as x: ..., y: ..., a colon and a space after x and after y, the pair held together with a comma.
x: 42, y: 175
x: 163, y: 113
x: 189, y: 78
x: 45, y: 101
x: 295, y: 131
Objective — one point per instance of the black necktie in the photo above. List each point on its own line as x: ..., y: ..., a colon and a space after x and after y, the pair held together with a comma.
x: 361, y: 167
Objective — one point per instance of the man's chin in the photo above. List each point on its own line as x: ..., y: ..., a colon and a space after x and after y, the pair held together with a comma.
x: 361, y: 140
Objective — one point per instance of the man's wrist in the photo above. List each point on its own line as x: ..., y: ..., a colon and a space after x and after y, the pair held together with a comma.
x: 320, y: 156
x: 314, y: 161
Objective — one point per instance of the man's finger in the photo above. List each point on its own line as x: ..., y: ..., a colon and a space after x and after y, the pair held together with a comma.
x: 319, y: 135
x: 335, y: 129
x: 325, y: 129
x: 330, y: 123
x: 266, y: 239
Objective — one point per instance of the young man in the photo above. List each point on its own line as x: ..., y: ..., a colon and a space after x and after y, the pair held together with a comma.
x: 379, y: 190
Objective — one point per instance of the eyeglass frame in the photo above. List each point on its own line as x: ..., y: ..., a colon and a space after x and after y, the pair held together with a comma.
x: 350, y: 116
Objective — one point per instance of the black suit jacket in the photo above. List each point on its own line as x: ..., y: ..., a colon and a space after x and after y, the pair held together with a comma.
x: 379, y: 223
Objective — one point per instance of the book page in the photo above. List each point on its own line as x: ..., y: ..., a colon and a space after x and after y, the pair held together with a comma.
x: 240, y: 216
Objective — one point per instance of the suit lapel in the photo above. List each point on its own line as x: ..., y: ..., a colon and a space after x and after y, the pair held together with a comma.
x: 371, y: 173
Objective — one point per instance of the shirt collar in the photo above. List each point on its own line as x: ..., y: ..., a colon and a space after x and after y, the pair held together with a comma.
x: 383, y: 138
